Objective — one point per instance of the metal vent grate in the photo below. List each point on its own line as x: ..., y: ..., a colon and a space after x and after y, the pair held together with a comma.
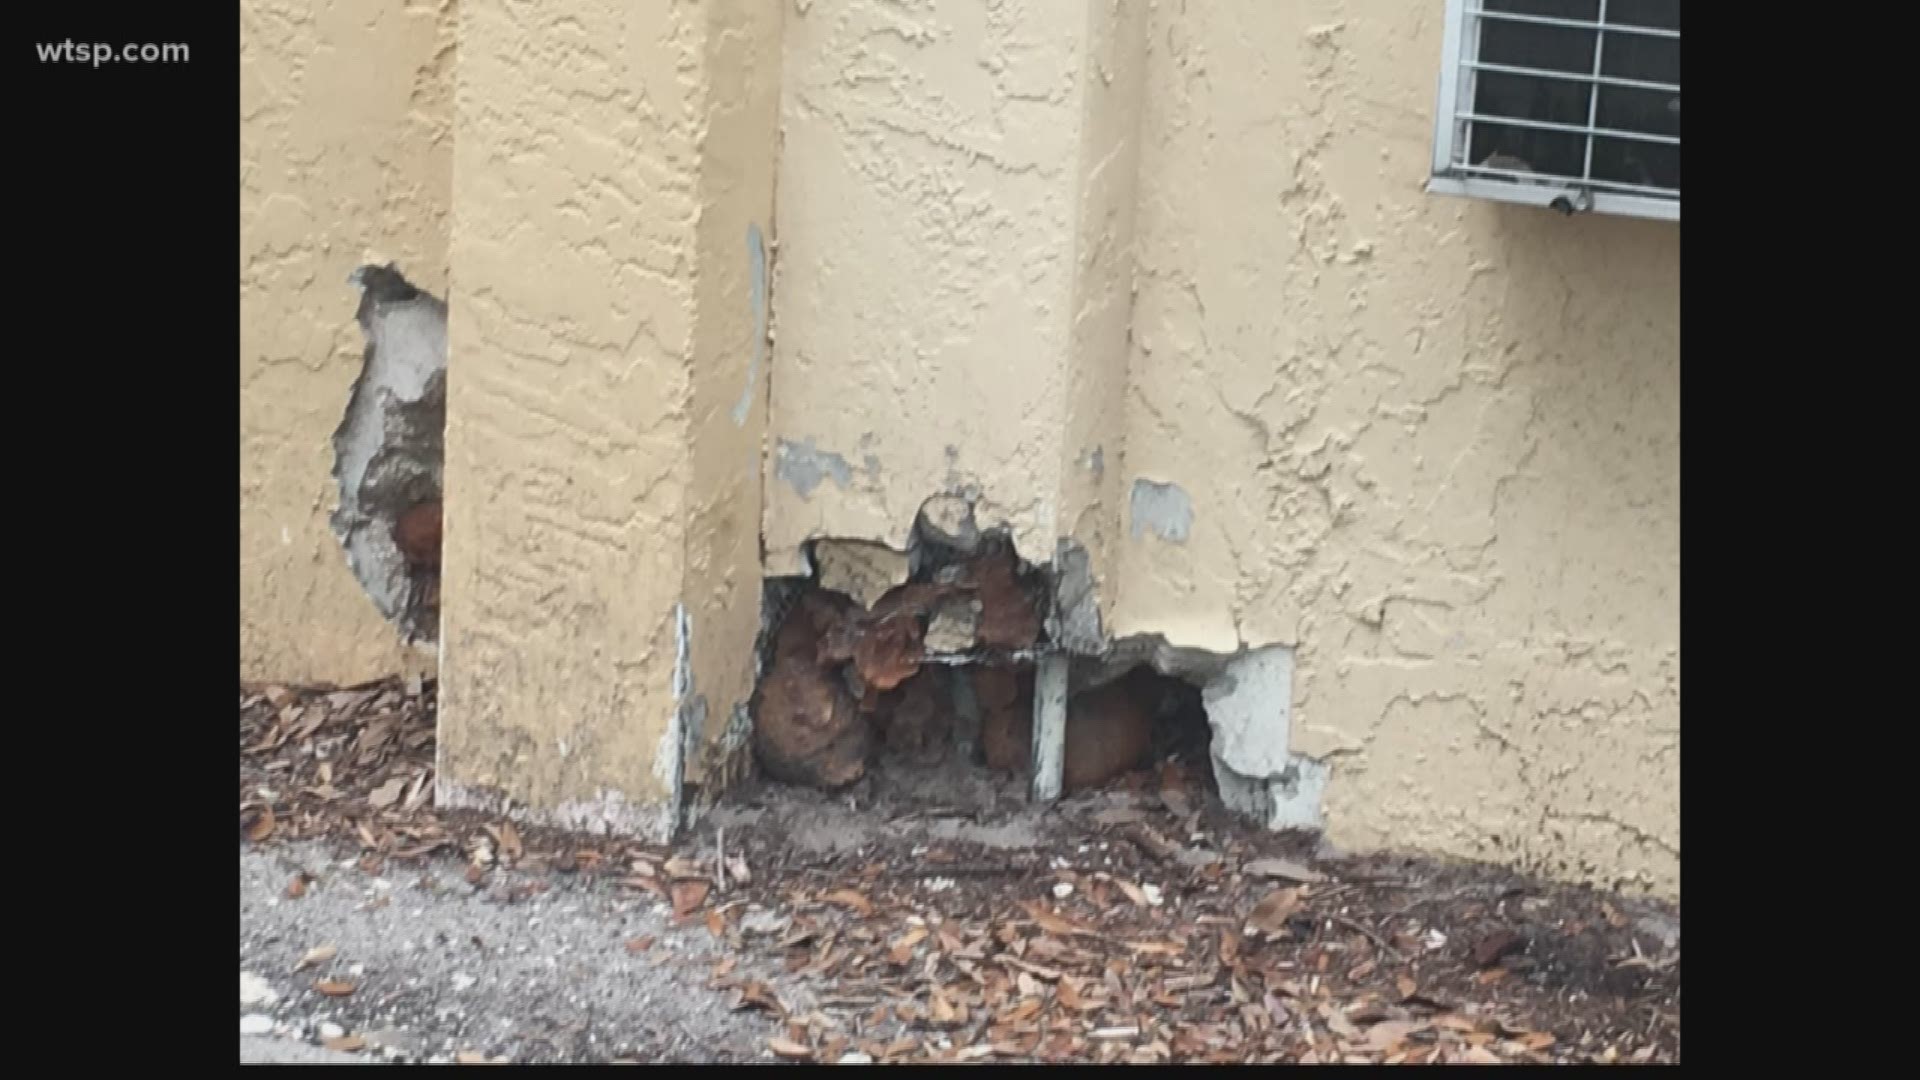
x: 1573, y: 104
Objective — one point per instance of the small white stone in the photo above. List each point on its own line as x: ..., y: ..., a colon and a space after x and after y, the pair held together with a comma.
x: 255, y: 990
x: 1436, y: 941
x: 1063, y: 889
x: 256, y: 1024
x: 1152, y: 893
x: 461, y: 980
x: 331, y: 1030
x: 855, y: 1057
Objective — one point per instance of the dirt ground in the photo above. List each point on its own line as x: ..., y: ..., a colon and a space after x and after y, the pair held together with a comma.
x: 1137, y: 923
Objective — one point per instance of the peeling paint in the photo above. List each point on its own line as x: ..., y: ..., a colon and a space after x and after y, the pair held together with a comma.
x: 804, y: 468
x: 1162, y: 509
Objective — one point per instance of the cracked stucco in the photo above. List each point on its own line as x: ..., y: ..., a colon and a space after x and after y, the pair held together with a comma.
x: 1433, y: 444
x: 601, y: 577
x: 345, y: 158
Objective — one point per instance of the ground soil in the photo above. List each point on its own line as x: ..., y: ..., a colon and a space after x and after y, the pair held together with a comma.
x: 896, y: 922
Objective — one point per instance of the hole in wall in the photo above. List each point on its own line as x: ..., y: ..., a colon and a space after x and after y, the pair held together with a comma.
x: 909, y: 679
x: 389, y: 452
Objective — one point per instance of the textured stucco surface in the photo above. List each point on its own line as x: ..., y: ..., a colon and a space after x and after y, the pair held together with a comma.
x: 345, y: 157
x: 1433, y: 444
x: 923, y: 294
x: 602, y: 498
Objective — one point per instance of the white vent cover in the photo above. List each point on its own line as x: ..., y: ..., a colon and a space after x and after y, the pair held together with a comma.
x: 1573, y: 104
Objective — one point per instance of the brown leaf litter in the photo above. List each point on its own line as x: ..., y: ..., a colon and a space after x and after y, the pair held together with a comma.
x: 924, y: 950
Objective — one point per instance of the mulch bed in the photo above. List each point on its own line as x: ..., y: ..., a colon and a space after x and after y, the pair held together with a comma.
x: 1148, y: 925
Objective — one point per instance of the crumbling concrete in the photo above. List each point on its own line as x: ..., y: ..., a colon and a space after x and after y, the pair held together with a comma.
x: 859, y: 569
x: 1040, y: 692
x: 1250, y: 706
x: 388, y: 452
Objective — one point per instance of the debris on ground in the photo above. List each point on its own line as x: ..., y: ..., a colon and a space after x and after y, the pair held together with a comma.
x: 1137, y: 922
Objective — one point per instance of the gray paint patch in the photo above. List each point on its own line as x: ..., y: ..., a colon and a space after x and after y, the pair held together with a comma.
x: 1164, y: 509
x: 757, y: 292
x: 804, y: 467
x: 1097, y: 462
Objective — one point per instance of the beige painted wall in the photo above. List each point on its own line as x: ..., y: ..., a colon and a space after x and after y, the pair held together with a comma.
x: 345, y: 154
x: 1431, y: 444
x: 924, y: 288
x: 601, y: 583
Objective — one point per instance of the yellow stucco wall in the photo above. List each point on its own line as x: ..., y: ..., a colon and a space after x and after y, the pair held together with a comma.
x: 925, y: 273
x: 1037, y: 252
x: 602, y: 500
x: 345, y: 155
x: 1432, y: 443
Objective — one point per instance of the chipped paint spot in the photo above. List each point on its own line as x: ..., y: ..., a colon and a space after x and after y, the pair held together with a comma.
x: 1164, y: 509
x: 804, y: 467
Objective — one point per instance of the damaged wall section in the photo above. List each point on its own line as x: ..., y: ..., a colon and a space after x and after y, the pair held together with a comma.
x: 950, y: 654
x: 389, y: 455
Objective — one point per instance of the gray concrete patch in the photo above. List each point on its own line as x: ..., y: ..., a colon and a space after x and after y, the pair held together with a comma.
x: 1165, y: 510
x: 803, y: 467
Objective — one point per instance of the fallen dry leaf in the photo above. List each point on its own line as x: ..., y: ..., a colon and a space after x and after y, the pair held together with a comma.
x: 333, y: 987
x: 787, y: 1048
x: 902, y: 950
x: 851, y: 900
x: 1270, y: 915
x: 689, y: 894
x: 759, y: 995
x: 346, y: 1044
x: 297, y: 887
x: 1389, y: 1034
x: 1407, y: 987
x: 1069, y: 995
x: 1537, y: 1040
x: 1056, y: 924
x: 262, y: 826
x: 1025, y: 1010
x: 509, y: 838
x: 1134, y: 892
x: 319, y: 954
x: 640, y: 944
x: 1283, y: 868
x: 1496, y: 947
x: 387, y: 794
